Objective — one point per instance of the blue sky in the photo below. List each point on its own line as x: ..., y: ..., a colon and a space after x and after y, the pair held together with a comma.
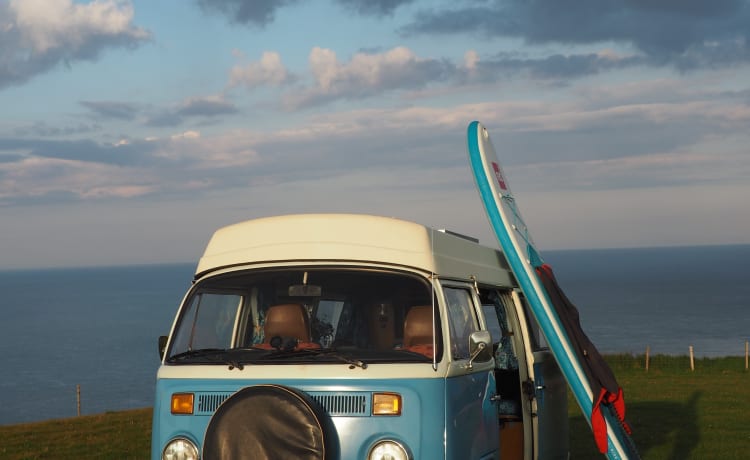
x: 131, y: 130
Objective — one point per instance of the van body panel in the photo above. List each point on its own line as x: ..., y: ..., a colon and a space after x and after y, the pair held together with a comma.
x: 551, y: 403
x: 419, y: 427
x: 471, y: 416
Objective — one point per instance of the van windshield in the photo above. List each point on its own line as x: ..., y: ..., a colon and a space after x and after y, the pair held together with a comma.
x: 317, y: 315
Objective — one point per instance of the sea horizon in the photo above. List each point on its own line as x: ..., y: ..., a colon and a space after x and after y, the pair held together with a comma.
x: 542, y: 251
x: 98, y: 326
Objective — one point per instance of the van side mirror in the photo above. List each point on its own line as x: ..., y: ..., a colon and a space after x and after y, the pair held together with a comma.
x: 480, y: 347
x: 162, y: 346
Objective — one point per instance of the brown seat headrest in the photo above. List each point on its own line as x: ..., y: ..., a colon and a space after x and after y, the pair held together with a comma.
x: 418, y: 326
x: 287, y: 320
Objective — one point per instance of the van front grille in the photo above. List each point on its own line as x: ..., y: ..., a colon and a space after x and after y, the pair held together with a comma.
x: 335, y: 404
x: 209, y: 402
x: 346, y: 404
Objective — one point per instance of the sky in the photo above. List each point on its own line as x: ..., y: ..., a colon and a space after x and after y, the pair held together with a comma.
x: 131, y: 130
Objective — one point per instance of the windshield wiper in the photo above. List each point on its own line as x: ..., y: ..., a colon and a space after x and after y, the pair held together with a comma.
x: 209, y: 352
x: 316, y: 352
x: 197, y: 353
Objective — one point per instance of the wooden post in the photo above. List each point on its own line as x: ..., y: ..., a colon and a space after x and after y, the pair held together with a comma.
x: 692, y: 359
x: 78, y: 399
x: 648, y: 356
x: 747, y: 353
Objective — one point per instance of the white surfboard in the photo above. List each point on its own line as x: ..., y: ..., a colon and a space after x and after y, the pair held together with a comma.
x: 529, y: 268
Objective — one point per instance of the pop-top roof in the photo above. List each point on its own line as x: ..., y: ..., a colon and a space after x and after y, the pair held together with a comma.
x: 347, y: 238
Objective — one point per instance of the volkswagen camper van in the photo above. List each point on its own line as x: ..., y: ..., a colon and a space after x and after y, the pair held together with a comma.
x: 336, y: 336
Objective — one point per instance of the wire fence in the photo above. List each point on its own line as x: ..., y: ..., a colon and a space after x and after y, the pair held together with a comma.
x: 647, y: 362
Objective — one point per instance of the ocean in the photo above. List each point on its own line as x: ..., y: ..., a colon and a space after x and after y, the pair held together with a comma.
x: 98, y: 327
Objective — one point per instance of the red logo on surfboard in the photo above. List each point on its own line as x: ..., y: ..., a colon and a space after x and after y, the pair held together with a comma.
x: 499, y: 176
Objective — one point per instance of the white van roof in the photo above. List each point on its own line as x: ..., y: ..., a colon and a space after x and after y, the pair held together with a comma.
x: 347, y: 238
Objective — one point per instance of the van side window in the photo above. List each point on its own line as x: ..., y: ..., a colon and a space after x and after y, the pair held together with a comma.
x: 462, y: 320
x: 494, y: 306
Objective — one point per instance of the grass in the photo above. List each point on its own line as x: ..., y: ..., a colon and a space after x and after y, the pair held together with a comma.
x: 121, y: 435
x: 676, y: 414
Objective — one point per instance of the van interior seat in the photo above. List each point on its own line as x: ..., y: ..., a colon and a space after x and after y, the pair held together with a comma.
x: 418, y: 330
x: 381, y: 326
x: 288, y: 320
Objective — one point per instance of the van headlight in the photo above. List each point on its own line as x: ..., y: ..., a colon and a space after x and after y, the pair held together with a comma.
x: 180, y: 449
x: 388, y: 450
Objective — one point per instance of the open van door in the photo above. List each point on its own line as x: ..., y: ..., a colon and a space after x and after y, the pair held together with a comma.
x: 544, y: 388
x: 531, y: 391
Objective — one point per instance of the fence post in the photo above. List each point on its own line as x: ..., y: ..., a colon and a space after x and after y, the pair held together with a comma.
x: 78, y: 399
x: 692, y: 359
x: 747, y: 352
x: 648, y: 356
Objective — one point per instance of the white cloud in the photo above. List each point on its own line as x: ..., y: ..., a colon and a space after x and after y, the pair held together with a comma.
x: 51, y: 179
x: 269, y: 70
x: 556, y: 145
x: 186, y: 135
x: 471, y: 58
x: 324, y: 66
x: 37, y: 35
x: 45, y: 25
x: 366, y: 74
x: 370, y: 70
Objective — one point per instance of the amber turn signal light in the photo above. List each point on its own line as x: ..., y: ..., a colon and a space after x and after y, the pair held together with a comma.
x: 182, y: 403
x: 386, y: 404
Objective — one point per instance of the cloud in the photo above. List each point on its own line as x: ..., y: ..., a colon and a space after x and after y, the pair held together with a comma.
x: 38, y: 35
x: 582, y: 142
x: 685, y: 34
x: 209, y: 106
x: 43, y: 129
x: 255, y: 12
x: 374, y: 72
x: 85, y: 150
x: 374, y: 7
x: 260, y: 13
x: 269, y: 70
x: 555, y: 67
x: 112, y: 109
x: 43, y: 180
x: 194, y: 107
x: 366, y: 74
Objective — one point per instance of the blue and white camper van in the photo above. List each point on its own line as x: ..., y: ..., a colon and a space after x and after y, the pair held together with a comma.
x: 330, y: 336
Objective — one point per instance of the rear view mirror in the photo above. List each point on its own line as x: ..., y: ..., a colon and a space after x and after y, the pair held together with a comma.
x: 305, y: 290
x: 480, y: 347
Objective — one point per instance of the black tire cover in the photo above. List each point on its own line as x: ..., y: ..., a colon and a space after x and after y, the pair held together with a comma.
x: 271, y: 422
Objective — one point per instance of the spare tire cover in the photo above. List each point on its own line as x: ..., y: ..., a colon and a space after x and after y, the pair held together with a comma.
x: 266, y: 422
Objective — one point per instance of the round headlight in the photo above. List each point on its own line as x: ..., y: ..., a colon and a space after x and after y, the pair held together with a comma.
x: 180, y: 449
x: 388, y: 450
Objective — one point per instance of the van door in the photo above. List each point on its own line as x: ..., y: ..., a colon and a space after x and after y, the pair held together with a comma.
x: 545, y: 387
x: 531, y: 393
x: 471, y: 427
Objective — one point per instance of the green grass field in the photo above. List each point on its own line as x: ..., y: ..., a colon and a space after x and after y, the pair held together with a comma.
x: 676, y: 414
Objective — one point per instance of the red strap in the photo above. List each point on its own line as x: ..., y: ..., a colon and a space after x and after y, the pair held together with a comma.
x: 598, y: 424
x: 619, y: 403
